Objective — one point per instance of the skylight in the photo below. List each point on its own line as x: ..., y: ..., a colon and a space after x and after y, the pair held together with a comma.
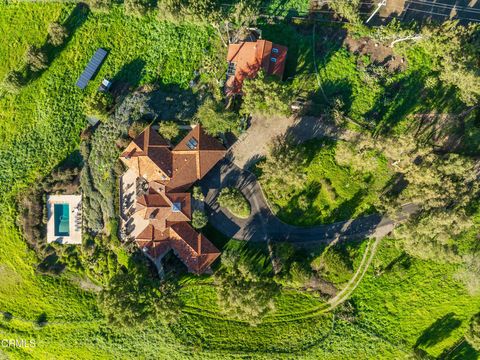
x: 273, y: 59
x: 192, y: 144
x: 176, y: 207
x: 275, y: 50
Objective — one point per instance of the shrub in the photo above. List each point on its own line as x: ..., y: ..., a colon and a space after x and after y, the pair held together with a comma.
x: 197, y: 193
x: 473, y: 334
x: 137, y: 128
x: 36, y: 59
x: 100, y: 5
x: 233, y: 200
x: 347, y: 9
x: 98, y: 104
x: 57, y: 34
x: 199, y: 219
x: 136, y: 7
x: 169, y: 129
x: 13, y: 81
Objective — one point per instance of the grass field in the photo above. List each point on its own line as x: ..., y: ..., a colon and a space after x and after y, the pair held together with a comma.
x: 40, y: 126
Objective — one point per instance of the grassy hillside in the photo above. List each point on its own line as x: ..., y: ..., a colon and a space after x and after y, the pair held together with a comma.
x: 40, y: 127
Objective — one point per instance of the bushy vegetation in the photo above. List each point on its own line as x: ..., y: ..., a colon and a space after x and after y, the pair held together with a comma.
x: 57, y: 34
x: 199, y: 219
x: 265, y: 95
x: 473, y: 334
x: 233, y: 200
x: 321, y: 182
x: 216, y: 119
x: 169, y: 130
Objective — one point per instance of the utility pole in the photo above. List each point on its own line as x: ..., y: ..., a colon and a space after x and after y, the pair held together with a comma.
x: 380, y: 4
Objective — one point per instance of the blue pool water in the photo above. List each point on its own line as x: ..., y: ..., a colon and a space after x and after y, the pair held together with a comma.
x: 61, y: 213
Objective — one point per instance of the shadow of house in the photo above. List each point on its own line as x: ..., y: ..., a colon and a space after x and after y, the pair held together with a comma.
x: 75, y: 20
x: 438, y: 331
x: 128, y: 78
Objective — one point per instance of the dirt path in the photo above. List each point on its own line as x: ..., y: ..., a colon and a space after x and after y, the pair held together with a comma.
x: 357, y: 277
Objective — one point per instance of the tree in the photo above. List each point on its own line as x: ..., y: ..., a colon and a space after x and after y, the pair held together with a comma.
x: 431, y: 234
x: 347, y: 9
x: 136, y: 128
x: 199, y: 219
x: 283, y: 170
x: 243, y: 293
x: 169, y: 129
x: 13, y: 81
x: 57, y: 34
x: 36, y: 59
x: 137, y: 7
x: 265, y: 95
x: 473, y: 334
x: 215, y: 119
x: 455, y: 50
x: 135, y: 296
x: 197, y: 10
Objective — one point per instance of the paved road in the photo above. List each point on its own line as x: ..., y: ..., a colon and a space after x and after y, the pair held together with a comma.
x: 262, y: 225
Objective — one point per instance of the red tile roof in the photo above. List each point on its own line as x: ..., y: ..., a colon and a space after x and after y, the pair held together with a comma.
x: 166, y: 206
x: 249, y: 58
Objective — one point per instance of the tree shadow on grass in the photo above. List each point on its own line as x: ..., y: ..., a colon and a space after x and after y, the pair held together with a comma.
x: 438, y: 331
x: 75, y: 20
x: 42, y: 320
x: 301, y: 206
x: 398, y: 100
x: 128, y: 78
x: 459, y: 351
x: 348, y: 207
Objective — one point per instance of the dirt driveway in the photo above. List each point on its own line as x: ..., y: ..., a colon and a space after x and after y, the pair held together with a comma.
x: 253, y: 144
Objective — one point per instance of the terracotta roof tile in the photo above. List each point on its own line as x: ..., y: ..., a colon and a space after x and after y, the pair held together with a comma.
x: 167, y: 227
x: 249, y: 57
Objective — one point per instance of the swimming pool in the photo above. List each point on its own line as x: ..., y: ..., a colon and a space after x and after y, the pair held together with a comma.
x: 61, y: 213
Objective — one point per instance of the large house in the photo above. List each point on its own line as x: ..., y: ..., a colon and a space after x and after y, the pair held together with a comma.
x: 162, y: 213
x: 245, y: 59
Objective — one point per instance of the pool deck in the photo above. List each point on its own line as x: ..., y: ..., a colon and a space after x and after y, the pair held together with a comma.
x: 75, y: 219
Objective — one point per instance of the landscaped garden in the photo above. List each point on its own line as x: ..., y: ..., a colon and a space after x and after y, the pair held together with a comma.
x: 233, y: 200
x: 263, y: 300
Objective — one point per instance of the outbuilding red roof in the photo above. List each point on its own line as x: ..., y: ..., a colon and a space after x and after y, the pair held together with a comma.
x: 247, y: 58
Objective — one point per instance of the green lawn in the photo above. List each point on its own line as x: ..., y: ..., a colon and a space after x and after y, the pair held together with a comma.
x: 332, y: 192
x: 414, y: 302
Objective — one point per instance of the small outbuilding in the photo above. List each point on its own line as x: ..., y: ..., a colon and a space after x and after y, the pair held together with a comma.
x: 246, y: 58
